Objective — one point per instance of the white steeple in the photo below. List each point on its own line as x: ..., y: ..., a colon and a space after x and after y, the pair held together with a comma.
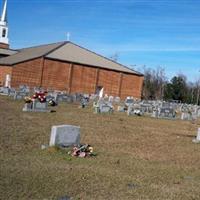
x: 3, y: 25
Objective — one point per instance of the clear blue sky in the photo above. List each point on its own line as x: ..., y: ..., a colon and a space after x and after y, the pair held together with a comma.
x: 143, y: 32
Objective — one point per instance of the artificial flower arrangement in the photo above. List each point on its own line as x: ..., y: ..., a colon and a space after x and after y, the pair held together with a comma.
x: 82, y: 151
x: 41, y: 96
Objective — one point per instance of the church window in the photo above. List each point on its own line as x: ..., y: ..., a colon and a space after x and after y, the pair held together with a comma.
x: 4, y: 33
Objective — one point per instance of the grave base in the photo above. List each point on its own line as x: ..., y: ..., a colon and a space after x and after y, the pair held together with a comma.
x: 34, y: 110
x: 168, y: 118
x: 196, y: 141
x: 28, y: 107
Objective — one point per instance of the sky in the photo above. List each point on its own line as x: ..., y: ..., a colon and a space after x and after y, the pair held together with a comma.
x: 150, y: 33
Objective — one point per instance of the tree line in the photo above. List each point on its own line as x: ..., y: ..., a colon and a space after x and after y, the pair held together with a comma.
x: 156, y: 86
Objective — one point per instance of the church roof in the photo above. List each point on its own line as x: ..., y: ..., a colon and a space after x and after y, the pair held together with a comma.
x: 7, y: 52
x: 66, y: 51
x: 29, y: 53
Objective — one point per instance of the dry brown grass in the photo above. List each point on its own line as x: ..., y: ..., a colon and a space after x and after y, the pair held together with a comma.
x: 138, y: 157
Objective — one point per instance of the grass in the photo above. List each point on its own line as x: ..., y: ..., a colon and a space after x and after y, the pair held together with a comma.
x: 138, y: 158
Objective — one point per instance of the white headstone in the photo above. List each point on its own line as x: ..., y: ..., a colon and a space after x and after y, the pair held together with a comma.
x: 198, y: 135
x: 101, y: 93
x: 7, y: 82
x: 65, y: 135
x: 197, y: 140
x: 105, y: 109
x: 110, y: 98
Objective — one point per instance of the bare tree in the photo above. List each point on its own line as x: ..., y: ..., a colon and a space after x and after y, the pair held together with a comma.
x: 154, y: 82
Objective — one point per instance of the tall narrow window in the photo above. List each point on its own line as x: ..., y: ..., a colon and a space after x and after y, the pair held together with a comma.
x: 4, y: 33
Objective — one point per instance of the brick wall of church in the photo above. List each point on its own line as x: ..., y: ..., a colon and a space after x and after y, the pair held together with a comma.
x: 131, y: 85
x: 110, y: 81
x: 52, y: 74
x: 55, y: 75
x: 27, y: 73
x: 84, y: 79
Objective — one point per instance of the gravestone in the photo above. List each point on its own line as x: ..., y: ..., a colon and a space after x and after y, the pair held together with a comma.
x: 65, y: 135
x: 129, y: 101
x: 198, y: 112
x: 197, y: 140
x: 111, y: 99
x: 121, y: 109
x: 117, y: 99
x: 39, y: 106
x: 77, y: 97
x: 54, y: 95
x: 84, y: 101
x: 93, y: 97
x: 168, y: 113
x: 37, y: 89
x: 186, y: 116
x: 60, y: 97
x: 146, y: 108
x: 36, y: 106
x: 103, y: 107
x: 24, y: 90
x: 134, y: 110
x: 5, y: 90
x: 27, y: 107
x: 194, y: 116
x: 155, y: 113
x: 19, y: 95
x: 12, y: 92
x: 67, y: 98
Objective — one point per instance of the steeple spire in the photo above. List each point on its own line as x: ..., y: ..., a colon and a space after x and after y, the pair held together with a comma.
x: 3, y: 26
x: 4, y: 11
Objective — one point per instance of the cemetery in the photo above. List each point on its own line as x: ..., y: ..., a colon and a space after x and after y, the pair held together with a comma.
x: 138, y: 150
x: 79, y: 125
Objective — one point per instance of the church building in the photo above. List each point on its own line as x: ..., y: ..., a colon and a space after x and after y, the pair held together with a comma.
x: 64, y: 66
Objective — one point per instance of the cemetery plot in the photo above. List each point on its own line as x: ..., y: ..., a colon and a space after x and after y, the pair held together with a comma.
x: 137, y: 158
x: 103, y: 106
x: 36, y: 103
x: 168, y: 113
x: 135, y: 109
x: 36, y: 106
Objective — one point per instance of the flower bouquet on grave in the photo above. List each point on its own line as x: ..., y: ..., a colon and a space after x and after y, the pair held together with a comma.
x: 82, y: 151
x: 40, y: 96
x: 28, y: 99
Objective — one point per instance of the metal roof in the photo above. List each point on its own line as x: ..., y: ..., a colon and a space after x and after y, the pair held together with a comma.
x: 66, y: 51
x: 76, y: 54
x: 29, y: 53
x: 7, y: 51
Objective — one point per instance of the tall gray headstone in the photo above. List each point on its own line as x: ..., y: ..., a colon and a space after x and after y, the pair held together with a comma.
x: 65, y: 135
